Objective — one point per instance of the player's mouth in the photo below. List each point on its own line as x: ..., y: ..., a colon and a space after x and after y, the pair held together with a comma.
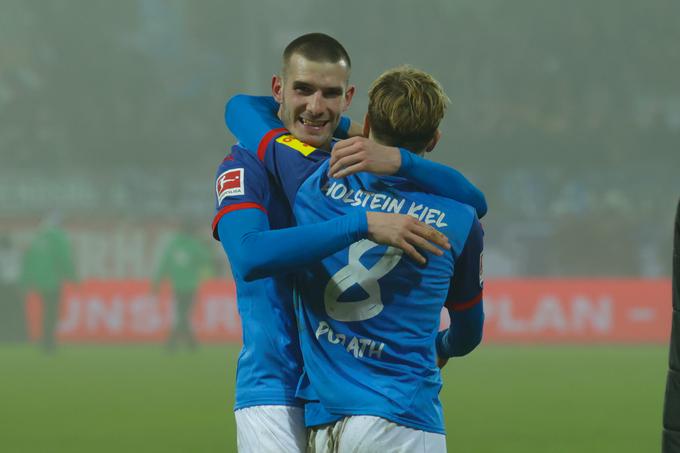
x: 312, y: 125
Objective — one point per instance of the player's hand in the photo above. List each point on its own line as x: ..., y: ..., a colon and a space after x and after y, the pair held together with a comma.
x: 407, y: 233
x: 361, y: 154
x: 441, y: 363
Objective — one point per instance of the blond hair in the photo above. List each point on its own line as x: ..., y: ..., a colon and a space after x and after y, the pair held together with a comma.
x: 405, y: 107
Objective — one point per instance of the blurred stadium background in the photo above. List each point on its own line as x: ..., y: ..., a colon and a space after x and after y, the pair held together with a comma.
x: 567, y: 115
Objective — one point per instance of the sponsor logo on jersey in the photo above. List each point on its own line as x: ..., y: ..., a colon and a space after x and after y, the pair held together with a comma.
x: 292, y: 142
x: 229, y: 184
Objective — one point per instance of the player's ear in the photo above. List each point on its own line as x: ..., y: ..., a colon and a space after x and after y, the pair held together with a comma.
x: 277, y: 88
x: 367, y: 126
x: 434, y: 141
x: 349, y: 94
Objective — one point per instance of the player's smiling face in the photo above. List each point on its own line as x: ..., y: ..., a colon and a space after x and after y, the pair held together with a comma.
x: 313, y: 95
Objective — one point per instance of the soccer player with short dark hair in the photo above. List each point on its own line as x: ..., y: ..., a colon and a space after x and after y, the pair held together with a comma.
x: 251, y: 222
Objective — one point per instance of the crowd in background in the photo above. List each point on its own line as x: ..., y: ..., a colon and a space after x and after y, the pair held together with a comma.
x: 567, y: 116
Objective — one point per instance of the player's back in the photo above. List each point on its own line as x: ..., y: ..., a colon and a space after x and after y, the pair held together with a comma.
x: 369, y: 315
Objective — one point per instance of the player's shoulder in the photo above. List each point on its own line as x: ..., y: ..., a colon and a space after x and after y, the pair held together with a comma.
x: 239, y: 157
x: 288, y: 146
x: 236, y: 170
x: 289, y: 141
x: 460, y: 217
x: 461, y: 211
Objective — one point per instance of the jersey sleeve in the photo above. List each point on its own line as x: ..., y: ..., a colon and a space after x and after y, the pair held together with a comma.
x: 465, y: 299
x: 441, y: 180
x: 242, y: 226
x: 250, y: 118
x: 468, y: 280
x: 241, y: 182
x: 255, y: 251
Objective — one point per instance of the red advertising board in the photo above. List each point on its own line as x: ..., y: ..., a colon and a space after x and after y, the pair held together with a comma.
x: 517, y: 311
x: 577, y: 310
x: 121, y: 311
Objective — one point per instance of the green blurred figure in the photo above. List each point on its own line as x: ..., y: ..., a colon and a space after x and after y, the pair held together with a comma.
x: 46, y: 267
x: 187, y: 261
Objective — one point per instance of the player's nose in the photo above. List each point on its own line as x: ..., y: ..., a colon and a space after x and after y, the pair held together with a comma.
x: 315, y: 104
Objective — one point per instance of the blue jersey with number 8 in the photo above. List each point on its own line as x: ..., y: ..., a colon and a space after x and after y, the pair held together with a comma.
x: 368, y: 315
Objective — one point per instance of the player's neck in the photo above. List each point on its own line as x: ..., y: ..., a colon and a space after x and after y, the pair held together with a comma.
x: 371, y: 136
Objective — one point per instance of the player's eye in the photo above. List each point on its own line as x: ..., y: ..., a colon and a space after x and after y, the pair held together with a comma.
x: 333, y: 93
x: 302, y: 89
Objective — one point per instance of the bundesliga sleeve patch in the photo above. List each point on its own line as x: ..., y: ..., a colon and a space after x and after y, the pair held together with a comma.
x: 229, y: 184
x: 292, y: 142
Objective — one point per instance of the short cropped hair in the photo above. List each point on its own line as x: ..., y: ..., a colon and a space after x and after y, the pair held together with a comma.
x: 317, y: 47
x: 405, y: 107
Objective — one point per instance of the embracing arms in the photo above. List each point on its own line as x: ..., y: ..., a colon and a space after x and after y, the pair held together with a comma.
x: 250, y: 118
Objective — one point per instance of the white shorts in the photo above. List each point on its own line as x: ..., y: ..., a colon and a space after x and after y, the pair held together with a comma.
x: 368, y: 434
x: 271, y: 429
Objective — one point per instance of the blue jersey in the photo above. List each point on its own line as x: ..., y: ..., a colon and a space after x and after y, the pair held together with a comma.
x: 270, y: 363
x: 368, y: 315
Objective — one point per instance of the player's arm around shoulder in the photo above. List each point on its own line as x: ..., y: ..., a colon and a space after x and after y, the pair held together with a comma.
x: 251, y: 118
x: 359, y: 154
